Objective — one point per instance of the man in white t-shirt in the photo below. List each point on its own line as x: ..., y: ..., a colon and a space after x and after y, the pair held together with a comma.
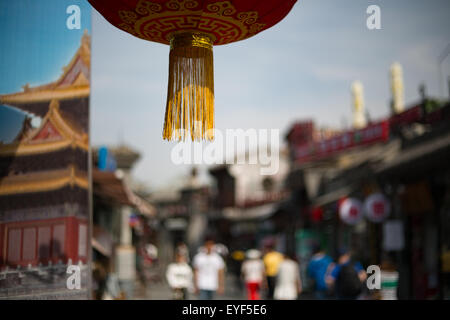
x: 209, y: 272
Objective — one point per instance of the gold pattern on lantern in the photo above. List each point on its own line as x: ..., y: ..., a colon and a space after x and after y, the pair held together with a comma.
x: 145, y: 7
x: 224, y: 8
x: 181, y: 5
x: 128, y: 16
x: 220, y: 20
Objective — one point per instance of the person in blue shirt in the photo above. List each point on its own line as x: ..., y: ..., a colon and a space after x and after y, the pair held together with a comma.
x: 347, y: 277
x: 318, y: 268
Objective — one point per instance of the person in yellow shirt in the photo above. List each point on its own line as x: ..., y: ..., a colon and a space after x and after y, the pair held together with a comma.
x: 272, y: 260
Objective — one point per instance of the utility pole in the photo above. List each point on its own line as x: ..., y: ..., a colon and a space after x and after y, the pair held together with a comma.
x: 441, y: 59
x: 448, y: 86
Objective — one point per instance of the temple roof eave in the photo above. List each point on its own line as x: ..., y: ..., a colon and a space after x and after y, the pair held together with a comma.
x: 70, y: 137
x: 19, y: 100
x: 17, y: 149
x: 43, y: 181
x: 73, y: 82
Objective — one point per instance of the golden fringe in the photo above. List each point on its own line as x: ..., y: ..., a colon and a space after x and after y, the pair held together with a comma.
x: 190, y: 95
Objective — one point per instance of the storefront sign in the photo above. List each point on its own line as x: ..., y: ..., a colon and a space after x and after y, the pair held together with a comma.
x: 373, y: 133
x: 393, y: 236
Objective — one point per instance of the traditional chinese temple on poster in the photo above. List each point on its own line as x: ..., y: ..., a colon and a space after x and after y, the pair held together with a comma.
x: 44, y: 186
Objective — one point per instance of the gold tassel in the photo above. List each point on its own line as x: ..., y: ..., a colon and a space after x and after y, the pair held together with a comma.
x: 190, y: 93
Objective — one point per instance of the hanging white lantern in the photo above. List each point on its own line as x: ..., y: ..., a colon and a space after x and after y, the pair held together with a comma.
x: 377, y: 207
x: 351, y: 211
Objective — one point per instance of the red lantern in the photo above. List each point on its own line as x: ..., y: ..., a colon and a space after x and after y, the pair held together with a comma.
x: 377, y: 207
x: 192, y: 27
x: 350, y: 211
x: 316, y: 214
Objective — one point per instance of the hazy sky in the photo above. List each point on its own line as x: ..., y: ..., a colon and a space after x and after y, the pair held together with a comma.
x: 35, y: 42
x: 301, y: 68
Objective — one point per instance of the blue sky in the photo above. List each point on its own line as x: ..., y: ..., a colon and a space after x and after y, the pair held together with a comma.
x: 301, y: 68
x: 36, y: 44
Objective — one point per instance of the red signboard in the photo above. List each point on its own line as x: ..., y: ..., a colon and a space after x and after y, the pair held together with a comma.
x: 376, y: 132
x: 406, y: 117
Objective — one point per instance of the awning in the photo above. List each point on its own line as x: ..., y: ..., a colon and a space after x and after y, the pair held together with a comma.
x: 412, y: 154
x: 108, y: 186
x: 333, y: 196
x: 141, y: 205
x: 102, y: 241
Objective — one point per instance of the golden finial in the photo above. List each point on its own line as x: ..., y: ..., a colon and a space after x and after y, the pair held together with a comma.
x: 397, y: 88
x: 359, y: 118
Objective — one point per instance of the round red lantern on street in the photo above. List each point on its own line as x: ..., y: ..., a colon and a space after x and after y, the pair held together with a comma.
x: 350, y: 211
x: 192, y: 28
x: 377, y: 207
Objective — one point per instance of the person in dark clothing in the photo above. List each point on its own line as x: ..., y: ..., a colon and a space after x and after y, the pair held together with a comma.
x: 347, y: 277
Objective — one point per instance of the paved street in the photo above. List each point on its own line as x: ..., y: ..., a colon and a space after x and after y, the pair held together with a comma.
x: 160, y: 290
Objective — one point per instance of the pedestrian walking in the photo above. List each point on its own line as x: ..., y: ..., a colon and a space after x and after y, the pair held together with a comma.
x: 254, y: 274
x: 318, y: 269
x: 209, y: 272
x: 389, y: 281
x: 272, y: 260
x: 347, y: 277
x: 179, y: 276
x: 183, y: 250
x: 288, y: 283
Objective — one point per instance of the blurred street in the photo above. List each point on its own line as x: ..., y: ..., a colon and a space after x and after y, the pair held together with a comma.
x: 162, y: 291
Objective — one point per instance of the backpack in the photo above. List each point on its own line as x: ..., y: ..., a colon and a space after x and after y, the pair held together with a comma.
x: 348, y: 283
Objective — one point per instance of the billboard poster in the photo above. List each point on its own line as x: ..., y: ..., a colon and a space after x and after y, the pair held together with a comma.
x: 44, y: 149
